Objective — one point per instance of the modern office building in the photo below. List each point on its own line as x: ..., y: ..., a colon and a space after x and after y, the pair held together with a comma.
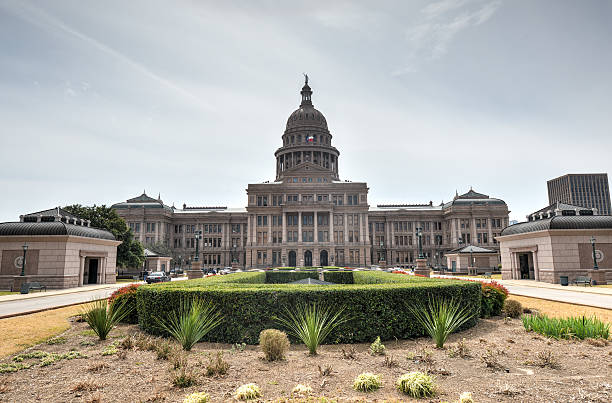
x: 584, y: 190
x: 308, y: 216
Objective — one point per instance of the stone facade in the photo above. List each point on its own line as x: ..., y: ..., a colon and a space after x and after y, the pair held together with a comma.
x: 307, y: 216
x: 548, y: 252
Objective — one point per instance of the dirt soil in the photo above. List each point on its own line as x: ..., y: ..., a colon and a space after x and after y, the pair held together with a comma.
x: 584, y: 371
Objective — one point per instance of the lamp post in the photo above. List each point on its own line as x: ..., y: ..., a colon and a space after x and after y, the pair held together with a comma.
x: 180, y: 263
x: 198, y: 236
x: 595, y: 267
x: 382, y: 251
x: 23, y: 263
x: 419, y: 234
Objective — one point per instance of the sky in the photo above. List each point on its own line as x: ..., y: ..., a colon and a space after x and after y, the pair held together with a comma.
x: 102, y: 100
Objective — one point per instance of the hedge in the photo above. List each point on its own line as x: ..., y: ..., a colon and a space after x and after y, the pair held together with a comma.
x: 127, y: 295
x: 338, y: 277
x: 282, y: 277
x: 377, y: 304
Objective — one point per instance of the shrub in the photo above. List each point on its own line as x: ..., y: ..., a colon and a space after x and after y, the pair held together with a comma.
x: 466, y: 397
x: 248, y: 392
x: 163, y: 350
x: 274, y: 344
x: 301, y: 390
x: 217, y: 366
x: 102, y: 316
x: 460, y: 350
x: 194, y: 320
x: 283, y: 277
x: 312, y: 323
x: 513, y: 308
x: 493, y: 297
x: 377, y: 348
x: 127, y: 294
x: 416, y: 384
x: 579, y: 327
x: 376, y: 304
x: 441, y: 317
x: 184, y: 377
x: 367, y: 382
x: 339, y: 277
x: 198, y: 397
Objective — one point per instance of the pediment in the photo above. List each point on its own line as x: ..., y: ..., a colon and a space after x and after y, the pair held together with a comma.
x: 307, y: 168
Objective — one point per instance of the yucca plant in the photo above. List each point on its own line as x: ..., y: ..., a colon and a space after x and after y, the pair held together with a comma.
x: 312, y: 323
x: 441, y: 317
x: 193, y: 320
x: 102, y: 316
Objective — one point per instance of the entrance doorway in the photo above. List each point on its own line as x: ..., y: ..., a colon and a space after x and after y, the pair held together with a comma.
x: 524, y: 266
x: 323, y: 258
x: 308, y: 258
x: 292, y: 258
x: 92, y: 272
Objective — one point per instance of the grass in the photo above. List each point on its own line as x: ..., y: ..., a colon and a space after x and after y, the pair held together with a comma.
x: 493, y: 276
x: 440, y: 318
x: 21, y: 332
x: 416, y: 384
x: 312, y: 323
x: 8, y: 292
x: 561, y: 309
x: 191, y: 322
x: 102, y: 316
x: 579, y: 327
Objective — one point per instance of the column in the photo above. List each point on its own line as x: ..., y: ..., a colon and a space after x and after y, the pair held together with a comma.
x: 490, y: 230
x: 300, y: 227
x: 392, y: 241
x: 345, y: 229
x: 249, y: 229
x: 81, y: 270
x: 536, y: 269
x: 269, y: 229
x: 284, y: 227
x: 331, y: 226
x: 316, y: 227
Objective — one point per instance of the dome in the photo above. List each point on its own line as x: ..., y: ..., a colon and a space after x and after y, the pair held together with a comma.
x: 306, y: 115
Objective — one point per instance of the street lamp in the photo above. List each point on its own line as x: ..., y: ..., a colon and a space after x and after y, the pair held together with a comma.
x: 198, y: 236
x: 180, y: 262
x: 419, y: 234
x: 25, y: 249
x: 595, y: 267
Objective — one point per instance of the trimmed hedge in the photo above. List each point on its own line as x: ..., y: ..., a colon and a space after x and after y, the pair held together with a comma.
x: 339, y: 277
x: 376, y: 304
x: 127, y: 293
x: 282, y: 277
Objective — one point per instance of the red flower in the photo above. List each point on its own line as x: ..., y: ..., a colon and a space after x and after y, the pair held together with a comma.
x: 128, y: 289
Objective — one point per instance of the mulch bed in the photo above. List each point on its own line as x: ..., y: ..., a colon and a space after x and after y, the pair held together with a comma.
x: 583, y: 371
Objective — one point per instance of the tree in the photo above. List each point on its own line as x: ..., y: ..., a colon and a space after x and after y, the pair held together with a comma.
x: 130, y: 253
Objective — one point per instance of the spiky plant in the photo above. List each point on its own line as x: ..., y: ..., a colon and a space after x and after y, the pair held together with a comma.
x: 102, y: 316
x: 441, y: 317
x: 193, y: 320
x: 312, y: 323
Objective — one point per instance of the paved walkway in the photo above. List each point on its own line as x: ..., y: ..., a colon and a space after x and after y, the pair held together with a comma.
x: 599, y: 297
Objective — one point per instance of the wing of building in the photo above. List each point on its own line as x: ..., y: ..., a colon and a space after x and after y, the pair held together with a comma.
x: 307, y: 216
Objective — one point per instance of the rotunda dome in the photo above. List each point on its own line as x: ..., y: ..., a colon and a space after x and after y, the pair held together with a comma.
x: 306, y: 114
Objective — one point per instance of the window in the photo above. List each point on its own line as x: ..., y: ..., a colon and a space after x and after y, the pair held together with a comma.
x: 352, y: 200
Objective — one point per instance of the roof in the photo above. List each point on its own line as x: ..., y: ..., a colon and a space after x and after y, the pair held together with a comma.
x: 311, y: 281
x: 560, y: 222
x: 54, y: 212
x: 52, y: 228
x: 473, y: 198
x: 560, y: 206
x: 472, y: 249
x: 142, y: 201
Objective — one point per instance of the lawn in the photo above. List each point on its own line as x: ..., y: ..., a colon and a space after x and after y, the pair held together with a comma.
x: 8, y: 292
x: 561, y: 309
x: 21, y: 332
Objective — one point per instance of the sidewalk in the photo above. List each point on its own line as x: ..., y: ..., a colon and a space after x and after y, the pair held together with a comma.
x: 573, y: 288
x: 40, y: 294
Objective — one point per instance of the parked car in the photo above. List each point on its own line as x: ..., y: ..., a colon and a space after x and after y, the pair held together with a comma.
x: 157, y: 277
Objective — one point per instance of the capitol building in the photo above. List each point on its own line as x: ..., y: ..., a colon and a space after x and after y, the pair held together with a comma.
x: 308, y: 216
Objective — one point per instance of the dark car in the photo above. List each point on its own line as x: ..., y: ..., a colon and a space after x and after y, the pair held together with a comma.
x: 157, y: 277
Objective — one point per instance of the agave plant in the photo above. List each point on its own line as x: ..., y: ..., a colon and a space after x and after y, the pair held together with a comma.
x: 193, y: 320
x: 312, y: 323
x: 441, y: 317
x: 102, y: 316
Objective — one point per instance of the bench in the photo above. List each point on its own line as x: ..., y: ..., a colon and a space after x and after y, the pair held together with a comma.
x: 26, y: 287
x: 487, y: 275
x: 583, y: 280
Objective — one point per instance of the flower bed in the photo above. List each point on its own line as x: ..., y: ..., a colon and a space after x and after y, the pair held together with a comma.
x: 377, y: 303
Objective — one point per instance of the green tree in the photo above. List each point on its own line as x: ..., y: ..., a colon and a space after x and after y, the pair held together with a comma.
x: 131, y: 252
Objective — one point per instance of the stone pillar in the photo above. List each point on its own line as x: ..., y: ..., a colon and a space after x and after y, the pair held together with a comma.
x: 196, y: 270
x: 536, y: 269
x: 331, y: 226
x: 421, y: 267
x: 284, y: 227
x: 345, y: 230
x: 316, y: 228
x: 269, y: 229
x: 81, y: 270
x: 300, y: 227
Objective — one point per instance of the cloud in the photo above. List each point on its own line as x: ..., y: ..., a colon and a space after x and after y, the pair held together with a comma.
x: 440, y: 22
x: 41, y: 18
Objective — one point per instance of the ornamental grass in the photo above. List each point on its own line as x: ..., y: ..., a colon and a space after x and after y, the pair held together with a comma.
x: 191, y: 322
x: 312, y: 323
x: 416, y: 384
x: 579, y: 327
x: 102, y: 316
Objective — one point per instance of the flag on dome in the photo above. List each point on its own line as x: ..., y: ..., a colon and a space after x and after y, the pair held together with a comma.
x: 310, y: 139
